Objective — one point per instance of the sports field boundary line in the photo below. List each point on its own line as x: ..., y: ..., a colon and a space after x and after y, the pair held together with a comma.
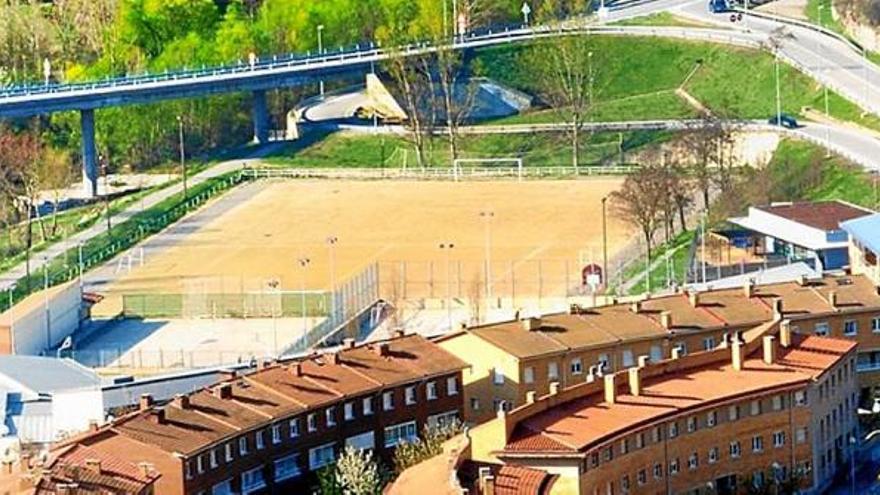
x: 437, y: 173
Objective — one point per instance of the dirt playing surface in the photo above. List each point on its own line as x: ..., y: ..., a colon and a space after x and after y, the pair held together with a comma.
x: 257, y: 244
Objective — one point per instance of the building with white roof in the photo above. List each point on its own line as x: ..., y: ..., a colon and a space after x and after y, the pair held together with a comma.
x: 864, y: 246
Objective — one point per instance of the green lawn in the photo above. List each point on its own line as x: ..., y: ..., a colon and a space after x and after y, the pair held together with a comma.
x: 680, y: 245
x: 660, y: 19
x: 822, y: 16
x: 656, y: 66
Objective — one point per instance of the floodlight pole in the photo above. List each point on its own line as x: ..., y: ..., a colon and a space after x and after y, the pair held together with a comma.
x: 331, y: 243
x: 304, y: 263
x: 447, y: 248
x: 487, y: 217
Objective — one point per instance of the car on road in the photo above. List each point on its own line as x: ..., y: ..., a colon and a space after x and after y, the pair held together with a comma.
x: 784, y: 120
x: 718, y: 6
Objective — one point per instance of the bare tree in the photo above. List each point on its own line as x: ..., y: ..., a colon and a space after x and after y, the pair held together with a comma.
x: 641, y: 200
x: 414, y: 82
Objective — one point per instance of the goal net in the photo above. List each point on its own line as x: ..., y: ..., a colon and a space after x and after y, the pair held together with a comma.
x: 489, y: 167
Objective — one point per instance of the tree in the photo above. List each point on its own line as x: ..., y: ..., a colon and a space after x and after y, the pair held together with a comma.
x: 408, y: 454
x: 357, y: 473
x: 640, y: 201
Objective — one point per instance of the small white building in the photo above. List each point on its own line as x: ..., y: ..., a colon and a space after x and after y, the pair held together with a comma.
x: 864, y: 246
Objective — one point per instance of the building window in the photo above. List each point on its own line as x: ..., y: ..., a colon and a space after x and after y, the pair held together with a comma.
x: 222, y: 488
x: 409, y: 395
x: 821, y: 329
x: 656, y: 434
x: 330, y: 416
x: 624, y: 483
x: 475, y: 404
x: 403, y: 432
x: 552, y: 371
x: 312, y: 422
x: 711, y: 418
x: 800, y: 398
x: 577, y: 366
x: 624, y: 446
x: 673, y: 429
x: 431, y: 390
x: 497, y: 376
x: 673, y: 467
x: 321, y: 456
x: 260, y: 443
x: 368, y: 406
x: 758, y: 479
x: 252, y: 480
x: 777, y: 402
x: 800, y: 435
x: 757, y: 444
x: 242, y: 446
x: 656, y: 353
x: 212, y: 456
x: 733, y: 413
x: 228, y: 451
x: 640, y: 440
x: 200, y: 466
x: 293, y: 424
x: 755, y: 407
x: 529, y: 374
x: 608, y: 454
x: 658, y: 471
x: 451, y: 386
x: 187, y: 467
x: 388, y: 401
x: 735, y: 450
x: 778, y: 439
x: 348, y: 410
x: 276, y: 434
x: 628, y: 361
x: 692, y: 424
x: 713, y: 455
x: 875, y: 324
x: 287, y: 467
x: 642, y: 477
x: 708, y: 343
x: 693, y: 461
x: 850, y: 328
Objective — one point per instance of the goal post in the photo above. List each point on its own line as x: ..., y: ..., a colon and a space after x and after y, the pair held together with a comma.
x: 457, y: 168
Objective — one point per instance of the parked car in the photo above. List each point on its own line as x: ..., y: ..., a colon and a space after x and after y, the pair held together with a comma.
x: 785, y: 120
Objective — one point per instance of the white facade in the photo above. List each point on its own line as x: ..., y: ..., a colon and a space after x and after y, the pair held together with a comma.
x: 42, y: 321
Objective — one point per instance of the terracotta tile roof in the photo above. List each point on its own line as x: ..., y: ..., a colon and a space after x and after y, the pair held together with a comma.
x: 589, y: 420
x: 823, y: 215
x: 115, y: 475
x: 517, y: 480
x: 717, y: 309
x: 281, y: 390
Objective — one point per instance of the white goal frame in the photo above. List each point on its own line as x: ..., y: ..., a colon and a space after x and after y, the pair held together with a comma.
x: 456, y: 165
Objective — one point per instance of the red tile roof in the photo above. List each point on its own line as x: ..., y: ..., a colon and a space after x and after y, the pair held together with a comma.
x: 517, y: 480
x: 823, y: 215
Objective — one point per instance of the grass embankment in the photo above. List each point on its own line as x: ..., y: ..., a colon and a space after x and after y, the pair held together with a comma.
x: 662, y: 19
x: 819, y: 12
x: 732, y: 82
x: 663, y: 273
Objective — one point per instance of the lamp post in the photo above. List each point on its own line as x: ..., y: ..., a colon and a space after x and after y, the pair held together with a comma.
x: 182, y: 155
x: 487, y: 217
x: 304, y: 264
x: 80, y: 253
x: 604, y: 242
x: 447, y: 248
x: 852, y: 464
x: 331, y: 243
x: 321, y: 52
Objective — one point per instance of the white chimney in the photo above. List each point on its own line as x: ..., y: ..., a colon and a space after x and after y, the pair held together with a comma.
x: 635, y: 381
x: 832, y: 299
x: 610, y: 389
x: 532, y: 324
x: 736, y: 354
x: 554, y: 388
x: 644, y: 360
x: 677, y: 352
x: 530, y: 397
x: 769, y: 345
x: 777, y: 309
x: 694, y: 298
x: 666, y: 319
x: 785, y: 333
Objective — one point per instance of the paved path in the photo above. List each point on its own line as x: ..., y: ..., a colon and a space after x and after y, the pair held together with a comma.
x: 11, y: 276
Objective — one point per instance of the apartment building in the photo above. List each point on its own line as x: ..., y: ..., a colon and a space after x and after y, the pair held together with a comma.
x: 510, y: 359
x: 768, y: 408
x: 271, y: 430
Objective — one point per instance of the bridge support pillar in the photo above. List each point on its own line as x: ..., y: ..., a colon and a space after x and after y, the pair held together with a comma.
x: 89, y: 154
x: 261, y: 118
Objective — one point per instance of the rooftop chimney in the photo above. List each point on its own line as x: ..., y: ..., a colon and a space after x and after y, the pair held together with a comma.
x: 554, y: 388
x: 93, y: 465
x: 158, y: 416
x: 769, y: 343
x: 24, y: 462
x: 227, y: 375
x: 93, y: 425
x: 591, y: 374
x: 832, y: 299
x: 146, y: 469
x: 530, y: 397
x: 382, y: 349
x: 223, y: 391
x: 677, y: 351
x: 778, y: 312
x: 785, y: 333
x: 296, y: 369
x: 348, y: 343
x: 532, y: 324
x: 610, y: 388
x: 334, y: 358
x: 643, y: 360
x: 146, y: 402
x: 749, y: 289
x: 803, y: 281
x: 181, y: 401
x: 666, y: 319
x: 635, y: 381
x: 7, y: 467
x: 736, y: 354
x: 399, y: 333
x: 694, y: 298
x: 636, y: 307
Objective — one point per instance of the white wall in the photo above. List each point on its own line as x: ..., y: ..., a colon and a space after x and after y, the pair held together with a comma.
x: 35, y: 330
x: 73, y: 410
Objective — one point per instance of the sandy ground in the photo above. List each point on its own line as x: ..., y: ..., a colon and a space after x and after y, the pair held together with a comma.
x: 540, y: 231
x: 168, y: 344
x: 794, y: 9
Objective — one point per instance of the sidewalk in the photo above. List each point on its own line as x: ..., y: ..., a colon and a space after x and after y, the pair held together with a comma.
x: 10, y: 277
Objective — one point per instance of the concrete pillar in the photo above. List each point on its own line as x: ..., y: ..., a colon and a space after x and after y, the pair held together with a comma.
x: 261, y: 118
x: 89, y: 155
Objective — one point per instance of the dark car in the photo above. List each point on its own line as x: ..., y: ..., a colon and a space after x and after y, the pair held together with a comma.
x: 785, y: 120
x: 718, y: 6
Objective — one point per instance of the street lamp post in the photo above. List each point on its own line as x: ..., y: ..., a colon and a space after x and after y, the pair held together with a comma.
x: 304, y: 264
x: 320, y: 53
x: 604, y: 243
x: 331, y: 243
x: 182, y: 155
x: 487, y: 217
x: 778, y: 89
x: 852, y: 464
x: 447, y: 248
x: 80, y: 249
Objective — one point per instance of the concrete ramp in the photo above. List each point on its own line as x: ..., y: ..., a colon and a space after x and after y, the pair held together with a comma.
x: 383, y: 103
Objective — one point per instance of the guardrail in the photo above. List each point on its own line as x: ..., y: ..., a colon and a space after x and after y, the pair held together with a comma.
x: 807, y: 25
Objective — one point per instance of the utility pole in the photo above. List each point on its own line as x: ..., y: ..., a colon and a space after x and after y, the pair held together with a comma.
x: 104, y: 164
x: 447, y: 247
x: 304, y: 264
x: 487, y: 217
x: 331, y: 243
x: 778, y: 89
x: 321, y: 53
x: 182, y: 156
x: 604, y: 243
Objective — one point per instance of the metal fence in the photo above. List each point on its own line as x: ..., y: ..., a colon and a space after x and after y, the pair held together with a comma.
x: 267, y: 304
x: 437, y: 173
